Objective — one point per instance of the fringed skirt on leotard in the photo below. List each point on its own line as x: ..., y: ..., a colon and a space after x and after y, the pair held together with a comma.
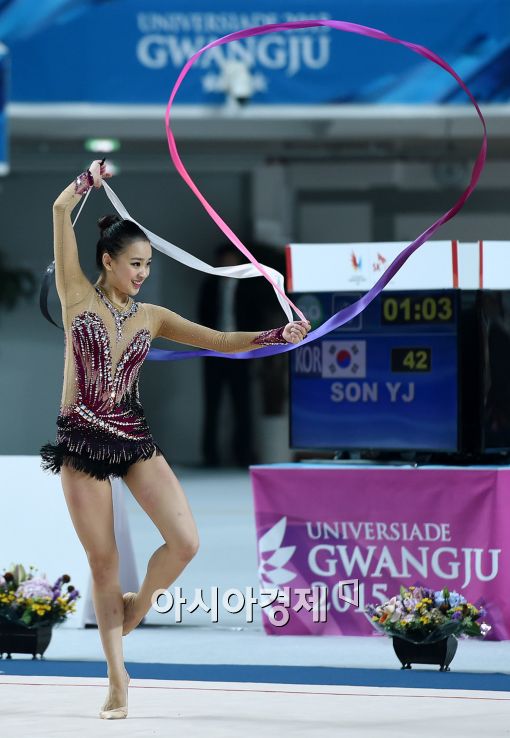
x: 95, y: 449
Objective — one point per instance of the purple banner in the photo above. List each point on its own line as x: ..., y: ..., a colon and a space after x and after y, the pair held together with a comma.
x: 385, y: 527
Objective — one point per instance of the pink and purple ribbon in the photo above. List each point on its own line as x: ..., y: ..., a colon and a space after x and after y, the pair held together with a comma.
x: 348, y: 313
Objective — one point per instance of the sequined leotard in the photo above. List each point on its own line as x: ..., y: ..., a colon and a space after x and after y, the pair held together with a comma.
x: 101, y: 427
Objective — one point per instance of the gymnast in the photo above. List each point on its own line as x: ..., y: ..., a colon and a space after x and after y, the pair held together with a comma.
x: 101, y: 428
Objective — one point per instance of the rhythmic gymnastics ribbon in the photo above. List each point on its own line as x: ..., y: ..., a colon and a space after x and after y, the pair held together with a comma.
x: 239, y: 271
x: 350, y: 312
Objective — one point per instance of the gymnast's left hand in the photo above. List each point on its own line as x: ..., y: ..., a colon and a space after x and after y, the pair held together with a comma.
x: 297, y: 330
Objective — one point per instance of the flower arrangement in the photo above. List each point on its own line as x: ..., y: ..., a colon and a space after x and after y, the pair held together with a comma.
x: 420, y: 615
x: 33, y: 601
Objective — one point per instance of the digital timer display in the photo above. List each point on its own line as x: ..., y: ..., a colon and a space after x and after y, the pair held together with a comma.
x: 399, y: 309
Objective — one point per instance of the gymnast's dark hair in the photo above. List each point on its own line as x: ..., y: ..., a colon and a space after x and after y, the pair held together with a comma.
x: 116, y: 235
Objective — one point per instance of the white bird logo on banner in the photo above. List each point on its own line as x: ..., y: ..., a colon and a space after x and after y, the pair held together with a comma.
x: 271, y: 570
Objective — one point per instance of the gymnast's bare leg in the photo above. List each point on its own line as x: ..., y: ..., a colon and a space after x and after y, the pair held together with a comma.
x: 158, y: 492
x: 90, y: 505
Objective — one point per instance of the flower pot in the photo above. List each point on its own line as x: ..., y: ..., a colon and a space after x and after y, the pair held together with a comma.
x: 16, y: 638
x: 441, y: 652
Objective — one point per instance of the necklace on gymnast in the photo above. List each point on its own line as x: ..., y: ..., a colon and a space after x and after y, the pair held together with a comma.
x: 116, y: 305
x: 120, y: 314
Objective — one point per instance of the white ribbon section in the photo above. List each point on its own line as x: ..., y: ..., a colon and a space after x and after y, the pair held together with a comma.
x: 84, y: 200
x: 240, y: 271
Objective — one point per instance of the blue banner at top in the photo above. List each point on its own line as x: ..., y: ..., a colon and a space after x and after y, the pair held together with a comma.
x: 130, y: 51
x: 4, y: 94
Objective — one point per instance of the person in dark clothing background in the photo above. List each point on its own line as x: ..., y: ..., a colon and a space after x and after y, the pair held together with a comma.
x: 226, y: 304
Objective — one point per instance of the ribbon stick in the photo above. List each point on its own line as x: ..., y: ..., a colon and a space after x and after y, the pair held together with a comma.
x: 348, y: 313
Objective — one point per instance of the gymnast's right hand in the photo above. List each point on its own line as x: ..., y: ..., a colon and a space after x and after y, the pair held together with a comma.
x: 98, y: 171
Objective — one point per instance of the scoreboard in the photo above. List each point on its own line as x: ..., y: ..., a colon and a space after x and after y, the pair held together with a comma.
x: 388, y: 379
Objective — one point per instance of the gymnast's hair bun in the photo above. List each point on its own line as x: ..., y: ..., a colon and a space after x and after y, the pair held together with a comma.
x: 106, y: 221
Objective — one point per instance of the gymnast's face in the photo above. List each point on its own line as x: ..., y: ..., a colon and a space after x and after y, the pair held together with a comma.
x: 131, y: 267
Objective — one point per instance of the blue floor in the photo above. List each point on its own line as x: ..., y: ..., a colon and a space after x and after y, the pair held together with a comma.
x: 428, y: 678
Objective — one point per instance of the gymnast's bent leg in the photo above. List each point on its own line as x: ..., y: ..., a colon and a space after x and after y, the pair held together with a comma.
x: 89, y: 501
x: 159, y: 493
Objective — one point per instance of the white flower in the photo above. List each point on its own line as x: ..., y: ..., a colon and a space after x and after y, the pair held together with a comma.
x: 393, y: 609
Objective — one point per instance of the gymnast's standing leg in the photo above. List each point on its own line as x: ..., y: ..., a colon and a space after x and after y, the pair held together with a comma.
x: 90, y: 506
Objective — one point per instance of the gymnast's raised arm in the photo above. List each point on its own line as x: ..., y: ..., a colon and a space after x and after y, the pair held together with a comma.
x: 71, y: 282
x: 167, y: 324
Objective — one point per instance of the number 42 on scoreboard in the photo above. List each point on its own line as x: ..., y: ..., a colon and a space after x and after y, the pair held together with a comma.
x: 411, y: 359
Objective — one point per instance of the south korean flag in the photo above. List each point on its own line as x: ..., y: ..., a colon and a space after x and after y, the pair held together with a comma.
x: 344, y: 359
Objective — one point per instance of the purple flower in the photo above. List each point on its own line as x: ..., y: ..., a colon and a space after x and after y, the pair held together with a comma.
x: 457, y: 615
x: 56, y: 589
x: 36, y: 587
